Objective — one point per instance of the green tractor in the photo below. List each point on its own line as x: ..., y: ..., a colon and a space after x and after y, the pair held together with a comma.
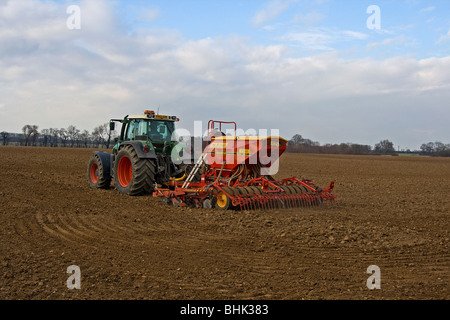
x: 142, y: 156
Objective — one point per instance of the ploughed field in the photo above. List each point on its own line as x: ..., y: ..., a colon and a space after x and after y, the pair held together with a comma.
x: 392, y: 212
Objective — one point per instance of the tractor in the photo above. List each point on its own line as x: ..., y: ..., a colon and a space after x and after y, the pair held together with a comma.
x: 141, y: 156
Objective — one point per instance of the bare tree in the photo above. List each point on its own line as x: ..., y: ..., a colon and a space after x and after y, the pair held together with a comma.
x: 103, y: 135
x: 361, y: 149
x: 99, y: 135
x: 85, y: 137
x: 384, y: 147
x: 5, y: 137
x: 439, y: 147
x: 45, y: 134
x: 25, y: 130
x: 435, y: 149
x: 30, y: 134
x: 72, y: 135
x: 300, y: 144
x: 110, y: 133
x: 296, y: 140
x: 54, y: 134
x: 427, y: 148
x: 63, y: 136
x: 35, y: 134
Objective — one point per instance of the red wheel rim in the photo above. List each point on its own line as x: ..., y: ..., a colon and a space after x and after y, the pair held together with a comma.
x: 124, y: 171
x: 94, y: 172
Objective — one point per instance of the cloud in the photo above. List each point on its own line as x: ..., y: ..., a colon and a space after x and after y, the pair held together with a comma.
x: 400, y: 40
x: 271, y: 11
x: 428, y: 9
x: 149, y: 15
x: 309, y: 18
x: 322, y: 39
x: 444, y: 38
x: 55, y: 77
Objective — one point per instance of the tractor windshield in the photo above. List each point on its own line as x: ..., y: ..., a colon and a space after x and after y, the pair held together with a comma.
x: 161, y: 130
x: 156, y: 130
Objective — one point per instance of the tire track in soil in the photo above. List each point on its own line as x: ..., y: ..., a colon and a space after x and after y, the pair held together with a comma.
x: 57, y: 231
x: 92, y: 231
x: 74, y: 229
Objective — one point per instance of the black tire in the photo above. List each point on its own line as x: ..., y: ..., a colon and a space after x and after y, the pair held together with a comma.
x: 208, y: 204
x: 133, y: 176
x: 96, y: 174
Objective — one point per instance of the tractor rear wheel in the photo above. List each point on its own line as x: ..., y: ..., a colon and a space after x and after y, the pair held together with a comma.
x: 133, y: 176
x: 96, y: 174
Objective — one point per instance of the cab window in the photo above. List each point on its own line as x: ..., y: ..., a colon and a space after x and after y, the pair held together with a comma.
x: 137, y: 130
x: 131, y: 130
x: 161, y: 130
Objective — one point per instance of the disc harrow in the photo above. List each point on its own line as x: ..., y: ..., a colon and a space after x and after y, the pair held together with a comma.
x: 268, y: 195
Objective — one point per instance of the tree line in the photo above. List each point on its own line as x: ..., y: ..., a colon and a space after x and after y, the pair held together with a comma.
x: 435, y: 149
x: 100, y: 137
x: 298, y: 144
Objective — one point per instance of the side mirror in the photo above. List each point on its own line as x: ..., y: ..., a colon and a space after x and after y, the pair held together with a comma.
x: 112, y: 126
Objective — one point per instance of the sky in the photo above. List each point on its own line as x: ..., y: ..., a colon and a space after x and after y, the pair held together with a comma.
x: 333, y: 71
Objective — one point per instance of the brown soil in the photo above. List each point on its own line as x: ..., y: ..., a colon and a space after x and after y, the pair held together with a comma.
x: 393, y: 212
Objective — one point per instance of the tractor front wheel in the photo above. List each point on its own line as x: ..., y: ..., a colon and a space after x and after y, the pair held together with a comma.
x: 133, y: 176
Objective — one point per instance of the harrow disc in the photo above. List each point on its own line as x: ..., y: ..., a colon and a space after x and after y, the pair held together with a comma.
x: 285, y: 196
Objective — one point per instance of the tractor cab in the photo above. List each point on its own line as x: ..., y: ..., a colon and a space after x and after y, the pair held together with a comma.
x: 158, y: 131
x: 149, y: 126
x: 149, y: 129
